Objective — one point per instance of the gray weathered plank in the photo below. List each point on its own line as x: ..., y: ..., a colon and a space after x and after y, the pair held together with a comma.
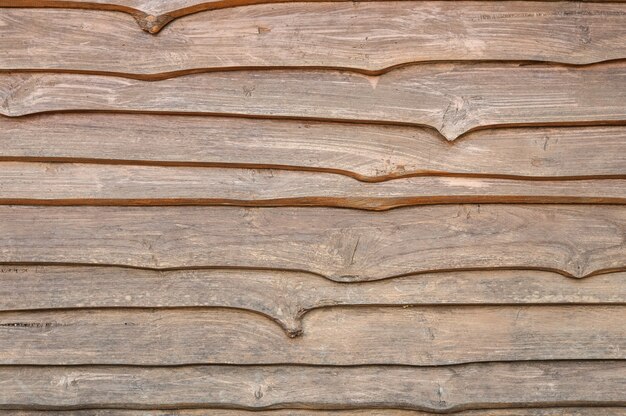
x: 421, y: 336
x: 287, y: 296
x: 345, y: 245
x: 369, y: 36
x: 550, y: 411
x: 483, y: 386
x: 366, y: 152
x: 453, y: 98
x: 93, y: 184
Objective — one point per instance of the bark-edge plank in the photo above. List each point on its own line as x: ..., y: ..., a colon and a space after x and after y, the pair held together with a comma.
x: 343, y: 245
x: 59, y: 287
x: 366, y: 152
x: 483, y: 386
x: 422, y: 336
x: 453, y: 98
x: 26, y: 183
x: 310, y: 34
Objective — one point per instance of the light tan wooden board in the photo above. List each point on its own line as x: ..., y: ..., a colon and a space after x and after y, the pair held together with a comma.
x: 344, y: 245
x: 255, y: 387
x: 368, y: 36
x: 287, y: 296
x: 420, y: 336
x: 366, y: 152
x: 91, y: 184
x: 550, y: 411
x: 153, y: 15
x: 453, y: 98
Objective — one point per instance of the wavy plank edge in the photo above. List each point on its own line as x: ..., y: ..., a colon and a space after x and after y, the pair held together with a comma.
x: 27, y: 93
x: 541, y: 154
x: 204, y: 411
x: 126, y: 288
x: 153, y: 21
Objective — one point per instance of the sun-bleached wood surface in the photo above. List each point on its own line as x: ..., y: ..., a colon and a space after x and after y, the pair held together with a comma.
x: 343, y: 245
x: 453, y: 98
x: 92, y: 184
x: 364, y: 151
x: 422, y: 336
x: 550, y: 411
x: 287, y: 296
x: 368, y: 36
x: 485, y: 385
x: 300, y: 300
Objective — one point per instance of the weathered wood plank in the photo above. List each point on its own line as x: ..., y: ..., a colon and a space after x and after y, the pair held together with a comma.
x: 287, y: 296
x: 434, y: 388
x: 369, y: 36
x: 550, y: 411
x: 366, y: 152
x: 453, y: 98
x: 91, y: 184
x: 344, y: 245
x: 421, y: 336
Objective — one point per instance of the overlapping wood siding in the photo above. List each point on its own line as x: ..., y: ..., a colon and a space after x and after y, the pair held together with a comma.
x: 322, y: 208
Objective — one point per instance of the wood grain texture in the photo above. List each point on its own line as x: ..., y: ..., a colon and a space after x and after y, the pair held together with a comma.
x: 551, y: 411
x: 453, y: 98
x: 367, y: 36
x: 365, y: 152
x: 287, y: 296
x: 257, y: 387
x: 343, y: 245
x: 90, y: 184
x: 421, y: 336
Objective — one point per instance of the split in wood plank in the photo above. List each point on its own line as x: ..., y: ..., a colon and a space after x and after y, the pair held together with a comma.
x: 343, y: 245
x: 483, y: 386
x: 287, y: 296
x: 454, y: 98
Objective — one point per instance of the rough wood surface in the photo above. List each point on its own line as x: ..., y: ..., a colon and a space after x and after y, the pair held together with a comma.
x: 365, y: 152
x: 369, y: 36
x: 344, y: 245
x: 453, y: 97
x: 421, y: 336
x: 91, y: 184
x: 287, y: 296
x: 550, y: 411
x: 256, y: 387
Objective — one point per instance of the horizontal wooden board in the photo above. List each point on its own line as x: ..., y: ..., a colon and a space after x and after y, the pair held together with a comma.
x: 421, y: 336
x: 287, y: 296
x: 368, y: 36
x: 256, y: 387
x: 344, y: 245
x: 91, y: 184
x: 453, y: 98
x: 550, y: 411
x: 365, y: 152
x: 153, y: 15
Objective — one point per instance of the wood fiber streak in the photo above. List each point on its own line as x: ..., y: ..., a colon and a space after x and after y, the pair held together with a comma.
x: 366, y: 152
x: 287, y: 296
x: 551, y: 411
x: 91, y: 184
x: 453, y: 97
x: 492, y: 385
x: 344, y: 245
x: 421, y: 336
x: 367, y: 36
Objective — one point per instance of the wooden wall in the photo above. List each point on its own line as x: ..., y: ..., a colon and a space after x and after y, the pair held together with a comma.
x: 278, y: 208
